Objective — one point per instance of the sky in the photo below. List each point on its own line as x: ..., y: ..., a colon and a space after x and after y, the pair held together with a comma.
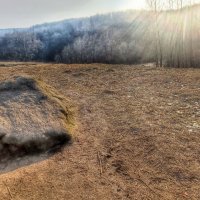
x: 25, y: 13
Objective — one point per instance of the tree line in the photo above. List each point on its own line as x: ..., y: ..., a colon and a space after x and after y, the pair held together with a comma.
x: 179, y: 44
x: 168, y: 37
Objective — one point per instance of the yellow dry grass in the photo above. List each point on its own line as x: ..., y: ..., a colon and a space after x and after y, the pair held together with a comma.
x: 136, y: 135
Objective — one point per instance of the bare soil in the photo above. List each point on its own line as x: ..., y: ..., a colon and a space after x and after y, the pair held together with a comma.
x: 136, y: 134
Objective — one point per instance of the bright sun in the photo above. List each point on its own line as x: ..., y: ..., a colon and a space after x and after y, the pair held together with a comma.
x: 133, y: 4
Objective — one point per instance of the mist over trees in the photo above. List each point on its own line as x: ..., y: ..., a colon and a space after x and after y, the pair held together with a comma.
x: 179, y: 45
x: 23, y: 46
x: 169, y: 38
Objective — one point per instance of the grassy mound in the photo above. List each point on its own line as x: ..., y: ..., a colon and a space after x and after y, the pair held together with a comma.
x: 33, y: 119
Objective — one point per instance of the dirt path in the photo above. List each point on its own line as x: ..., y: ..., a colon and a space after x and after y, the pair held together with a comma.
x: 136, y: 135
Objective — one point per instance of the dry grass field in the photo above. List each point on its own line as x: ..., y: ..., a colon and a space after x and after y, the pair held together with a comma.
x: 135, y: 134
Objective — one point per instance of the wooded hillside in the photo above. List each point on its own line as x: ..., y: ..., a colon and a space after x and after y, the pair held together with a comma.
x: 121, y: 37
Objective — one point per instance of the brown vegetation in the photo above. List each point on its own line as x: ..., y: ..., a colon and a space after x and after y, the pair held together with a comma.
x: 136, y: 135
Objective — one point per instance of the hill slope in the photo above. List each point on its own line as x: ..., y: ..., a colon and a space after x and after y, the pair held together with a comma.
x: 121, y: 37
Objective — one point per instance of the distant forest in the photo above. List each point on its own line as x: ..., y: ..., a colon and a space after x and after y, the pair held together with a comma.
x: 122, y: 37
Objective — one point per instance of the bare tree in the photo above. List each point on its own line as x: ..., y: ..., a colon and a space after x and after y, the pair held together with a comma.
x: 156, y: 6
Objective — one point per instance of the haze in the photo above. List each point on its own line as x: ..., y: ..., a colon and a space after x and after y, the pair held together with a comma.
x: 24, y: 13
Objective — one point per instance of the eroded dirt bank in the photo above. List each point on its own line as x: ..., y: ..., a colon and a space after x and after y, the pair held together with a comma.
x: 136, y: 135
